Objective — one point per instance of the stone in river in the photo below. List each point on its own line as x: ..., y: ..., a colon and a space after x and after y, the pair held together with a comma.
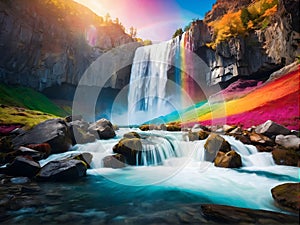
x: 213, y: 144
x: 288, y: 141
x: 22, y: 166
x: 114, y: 161
x: 64, y: 170
x: 287, y: 196
x: 103, y: 128
x: 230, y: 159
x: 288, y: 157
x: 129, y: 148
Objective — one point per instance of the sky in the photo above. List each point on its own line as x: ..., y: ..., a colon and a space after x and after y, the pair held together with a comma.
x: 156, y: 20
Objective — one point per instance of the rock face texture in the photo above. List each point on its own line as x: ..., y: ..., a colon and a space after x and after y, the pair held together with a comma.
x: 256, y: 54
x: 44, y: 43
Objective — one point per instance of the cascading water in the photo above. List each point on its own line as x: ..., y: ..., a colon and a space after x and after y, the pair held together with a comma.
x: 149, y: 78
x: 168, y: 162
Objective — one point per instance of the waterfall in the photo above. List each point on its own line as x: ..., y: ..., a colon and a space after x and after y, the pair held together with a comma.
x: 149, y: 77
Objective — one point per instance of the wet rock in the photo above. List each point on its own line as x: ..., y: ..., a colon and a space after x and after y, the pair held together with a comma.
x: 270, y: 128
x: 22, y: 166
x: 199, y: 127
x: 175, y: 126
x: 54, y: 132
x: 228, y: 128
x: 129, y: 148
x: 233, y: 215
x: 288, y: 141
x: 242, y: 138
x: 114, y: 161
x: 287, y: 196
x: 81, y: 136
x: 213, y: 144
x: 43, y: 148
x: 288, y: 157
x: 103, y: 128
x: 65, y: 170
x: 131, y: 135
x: 146, y: 127
x: 230, y: 159
x: 260, y: 139
x: 19, y: 180
x: 200, y: 135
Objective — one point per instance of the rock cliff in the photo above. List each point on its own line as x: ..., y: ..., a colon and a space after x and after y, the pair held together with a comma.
x: 44, y: 43
x: 255, y: 54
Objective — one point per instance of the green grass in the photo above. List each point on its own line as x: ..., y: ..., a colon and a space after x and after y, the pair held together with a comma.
x: 30, y: 99
x: 20, y: 116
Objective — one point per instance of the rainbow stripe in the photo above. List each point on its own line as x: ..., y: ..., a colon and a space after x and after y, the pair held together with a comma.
x: 277, y: 100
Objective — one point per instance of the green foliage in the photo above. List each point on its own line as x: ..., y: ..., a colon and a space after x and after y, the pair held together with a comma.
x: 178, y: 32
x: 28, y: 98
x: 245, y: 17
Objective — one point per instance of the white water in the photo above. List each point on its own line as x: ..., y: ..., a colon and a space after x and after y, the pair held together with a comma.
x: 148, y: 81
x: 176, y: 164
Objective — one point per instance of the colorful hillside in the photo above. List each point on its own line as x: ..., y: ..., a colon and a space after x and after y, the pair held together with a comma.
x: 277, y: 100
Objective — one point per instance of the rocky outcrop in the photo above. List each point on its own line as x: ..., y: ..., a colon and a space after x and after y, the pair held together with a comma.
x: 46, y: 43
x: 221, y: 7
x: 257, y: 54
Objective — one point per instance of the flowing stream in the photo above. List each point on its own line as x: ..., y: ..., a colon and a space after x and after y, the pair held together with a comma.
x: 171, y: 165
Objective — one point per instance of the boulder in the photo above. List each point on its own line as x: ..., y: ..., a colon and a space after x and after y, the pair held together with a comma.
x: 242, y: 138
x: 64, y: 170
x: 270, y: 128
x: 287, y: 196
x: 228, y: 128
x: 222, y: 214
x: 199, y: 127
x: 114, y: 161
x: 80, y: 135
x: 175, y: 126
x: 213, y: 144
x: 288, y: 141
x: 256, y: 138
x: 200, y: 135
x: 22, y: 166
x: 288, y: 157
x: 131, y: 134
x: 129, y: 148
x: 103, y: 128
x: 43, y: 148
x: 230, y: 159
x: 146, y: 127
x: 54, y: 132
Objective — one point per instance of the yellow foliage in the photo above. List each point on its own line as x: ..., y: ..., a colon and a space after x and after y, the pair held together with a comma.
x: 270, y: 12
x: 250, y: 24
x: 230, y: 25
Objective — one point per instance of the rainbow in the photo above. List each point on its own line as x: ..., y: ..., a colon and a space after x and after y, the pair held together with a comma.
x: 277, y: 100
